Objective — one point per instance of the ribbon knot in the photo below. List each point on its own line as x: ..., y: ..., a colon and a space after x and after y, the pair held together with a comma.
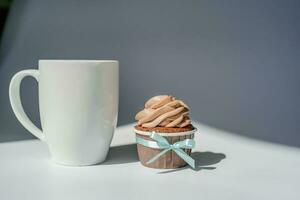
x: 177, y: 147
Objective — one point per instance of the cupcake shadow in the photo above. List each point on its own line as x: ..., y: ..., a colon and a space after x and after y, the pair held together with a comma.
x: 203, y: 160
x: 121, y: 154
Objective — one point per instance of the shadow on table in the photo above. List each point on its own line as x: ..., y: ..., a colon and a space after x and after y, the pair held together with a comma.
x: 121, y: 154
x: 203, y: 160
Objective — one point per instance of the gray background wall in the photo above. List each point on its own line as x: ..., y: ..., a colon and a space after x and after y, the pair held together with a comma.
x: 236, y: 63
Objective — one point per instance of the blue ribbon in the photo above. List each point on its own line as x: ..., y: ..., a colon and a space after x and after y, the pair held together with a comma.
x: 163, y: 143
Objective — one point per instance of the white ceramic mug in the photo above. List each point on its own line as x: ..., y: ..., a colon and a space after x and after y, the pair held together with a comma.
x: 78, y: 101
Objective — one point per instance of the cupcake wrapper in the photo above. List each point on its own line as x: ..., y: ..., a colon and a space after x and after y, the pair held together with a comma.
x: 169, y: 160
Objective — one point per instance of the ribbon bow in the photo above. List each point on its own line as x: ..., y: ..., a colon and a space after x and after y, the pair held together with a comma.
x: 177, y: 147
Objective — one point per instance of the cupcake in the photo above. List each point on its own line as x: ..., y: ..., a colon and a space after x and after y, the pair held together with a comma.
x: 164, y: 133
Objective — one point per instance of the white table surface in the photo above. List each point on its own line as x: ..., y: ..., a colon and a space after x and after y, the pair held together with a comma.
x: 229, y: 167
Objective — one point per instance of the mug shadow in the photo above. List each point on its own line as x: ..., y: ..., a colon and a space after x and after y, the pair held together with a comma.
x: 121, y: 154
x: 203, y: 161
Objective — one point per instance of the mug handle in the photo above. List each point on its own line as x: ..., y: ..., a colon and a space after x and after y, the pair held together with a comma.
x: 15, y: 101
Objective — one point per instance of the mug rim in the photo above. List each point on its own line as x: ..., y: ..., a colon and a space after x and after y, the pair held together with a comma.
x: 72, y: 60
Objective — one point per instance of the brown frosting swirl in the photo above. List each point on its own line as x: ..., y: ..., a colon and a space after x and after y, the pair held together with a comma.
x: 164, y: 111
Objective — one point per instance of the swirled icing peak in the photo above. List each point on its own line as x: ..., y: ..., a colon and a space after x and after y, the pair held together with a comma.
x: 164, y: 111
